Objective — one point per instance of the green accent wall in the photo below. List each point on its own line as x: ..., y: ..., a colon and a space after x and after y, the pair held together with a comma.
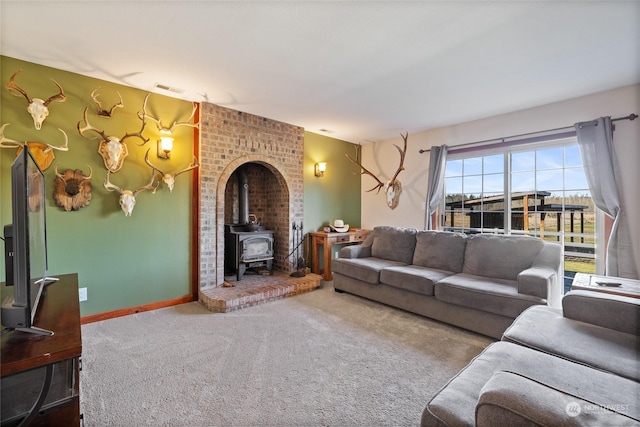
x: 122, y: 261
x: 336, y: 195
x: 131, y: 261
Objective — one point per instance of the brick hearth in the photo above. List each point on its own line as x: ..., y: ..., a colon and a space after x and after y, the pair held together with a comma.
x: 256, y: 289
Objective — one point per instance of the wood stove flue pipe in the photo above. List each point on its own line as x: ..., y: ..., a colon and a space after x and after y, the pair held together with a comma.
x: 243, y: 196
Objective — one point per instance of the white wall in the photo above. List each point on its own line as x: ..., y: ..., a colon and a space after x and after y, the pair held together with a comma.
x: 382, y: 158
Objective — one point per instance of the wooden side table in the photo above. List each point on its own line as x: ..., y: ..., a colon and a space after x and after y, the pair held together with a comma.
x: 327, y: 240
x: 592, y: 282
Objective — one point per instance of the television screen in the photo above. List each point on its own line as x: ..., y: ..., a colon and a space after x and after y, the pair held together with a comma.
x: 29, y: 244
x: 37, y: 231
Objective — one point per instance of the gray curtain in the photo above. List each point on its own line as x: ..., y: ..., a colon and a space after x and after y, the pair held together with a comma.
x: 595, y: 139
x: 435, y: 190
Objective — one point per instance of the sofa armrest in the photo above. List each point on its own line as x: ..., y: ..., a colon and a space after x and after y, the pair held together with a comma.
x: 537, y: 281
x: 363, y: 250
x: 355, y: 251
x: 607, y: 310
x: 543, y: 278
x: 509, y: 398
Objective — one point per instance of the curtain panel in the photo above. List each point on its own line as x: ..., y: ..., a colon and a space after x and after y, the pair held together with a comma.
x: 595, y: 139
x: 435, y: 189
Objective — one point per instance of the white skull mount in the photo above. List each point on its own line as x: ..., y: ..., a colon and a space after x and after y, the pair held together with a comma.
x: 393, y: 190
x: 127, y: 198
x: 113, y: 153
x: 170, y: 179
x: 38, y: 108
x: 112, y: 149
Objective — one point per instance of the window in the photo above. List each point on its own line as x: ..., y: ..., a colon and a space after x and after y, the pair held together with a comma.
x: 533, y: 189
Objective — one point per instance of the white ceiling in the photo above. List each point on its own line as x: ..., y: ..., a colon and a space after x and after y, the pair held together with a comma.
x: 364, y: 71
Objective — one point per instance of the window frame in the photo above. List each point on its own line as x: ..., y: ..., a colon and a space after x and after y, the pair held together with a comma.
x: 601, y: 231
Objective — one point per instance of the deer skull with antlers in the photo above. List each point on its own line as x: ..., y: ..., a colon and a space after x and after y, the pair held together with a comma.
x: 42, y: 153
x: 393, y: 188
x: 112, y: 149
x: 38, y: 108
x: 170, y: 179
x: 104, y: 112
x: 168, y: 130
x: 127, y: 198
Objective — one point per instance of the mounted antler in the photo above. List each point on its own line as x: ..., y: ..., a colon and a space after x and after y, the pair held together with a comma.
x: 128, y: 197
x: 6, y: 142
x: 43, y: 153
x: 112, y: 149
x: 393, y: 187
x: 101, y: 111
x: 170, y: 179
x: 363, y: 171
x: 38, y: 108
x: 161, y: 127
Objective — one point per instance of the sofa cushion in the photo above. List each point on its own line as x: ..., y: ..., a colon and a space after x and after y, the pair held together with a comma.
x: 412, y: 278
x: 498, y: 256
x: 546, y: 329
x: 497, y: 296
x: 456, y: 403
x: 616, y: 312
x: 394, y: 243
x: 365, y: 269
x: 510, y: 399
x: 441, y: 250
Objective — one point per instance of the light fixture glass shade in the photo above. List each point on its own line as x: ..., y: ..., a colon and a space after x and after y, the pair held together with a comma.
x: 165, y: 145
x: 320, y: 168
x: 166, y: 142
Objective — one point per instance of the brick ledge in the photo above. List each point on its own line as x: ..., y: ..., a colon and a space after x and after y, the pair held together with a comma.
x: 254, y: 290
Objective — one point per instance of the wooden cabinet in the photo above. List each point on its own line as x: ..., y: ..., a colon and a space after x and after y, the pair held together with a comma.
x: 48, y: 367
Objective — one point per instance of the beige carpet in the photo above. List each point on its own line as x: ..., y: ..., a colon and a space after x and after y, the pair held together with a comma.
x: 316, y: 359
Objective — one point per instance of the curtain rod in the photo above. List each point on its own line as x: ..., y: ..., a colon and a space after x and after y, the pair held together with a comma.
x: 629, y: 117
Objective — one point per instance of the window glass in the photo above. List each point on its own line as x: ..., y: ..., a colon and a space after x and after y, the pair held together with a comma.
x: 472, y: 166
x: 493, y: 164
x: 548, y: 197
x: 523, y: 161
x: 551, y: 158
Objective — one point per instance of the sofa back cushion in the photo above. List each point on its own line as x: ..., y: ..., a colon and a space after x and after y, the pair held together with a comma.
x: 394, y: 243
x: 498, y: 256
x: 442, y: 250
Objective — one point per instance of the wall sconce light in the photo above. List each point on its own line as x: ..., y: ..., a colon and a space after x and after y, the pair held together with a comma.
x: 165, y: 145
x: 320, y: 168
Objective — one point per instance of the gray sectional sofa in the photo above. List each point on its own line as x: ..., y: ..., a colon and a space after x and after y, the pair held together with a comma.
x: 480, y: 282
x: 575, y: 366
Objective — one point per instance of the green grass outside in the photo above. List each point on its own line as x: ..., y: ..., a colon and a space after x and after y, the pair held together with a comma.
x: 580, y: 266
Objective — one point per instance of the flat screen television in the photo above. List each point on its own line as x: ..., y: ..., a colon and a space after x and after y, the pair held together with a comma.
x: 26, y: 248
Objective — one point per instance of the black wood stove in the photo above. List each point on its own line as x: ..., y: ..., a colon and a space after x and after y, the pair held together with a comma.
x: 247, y: 249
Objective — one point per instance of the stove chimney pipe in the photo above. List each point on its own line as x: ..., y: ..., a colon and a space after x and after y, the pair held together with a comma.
x: 243, y: 196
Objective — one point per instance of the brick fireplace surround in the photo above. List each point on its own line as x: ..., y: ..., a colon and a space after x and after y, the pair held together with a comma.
x: 274, y: 154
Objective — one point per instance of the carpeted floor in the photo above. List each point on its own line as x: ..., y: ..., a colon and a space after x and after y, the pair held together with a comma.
x: 316, y: 359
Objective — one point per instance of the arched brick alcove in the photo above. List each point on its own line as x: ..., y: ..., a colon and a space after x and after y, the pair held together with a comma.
x: 229, y: 139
